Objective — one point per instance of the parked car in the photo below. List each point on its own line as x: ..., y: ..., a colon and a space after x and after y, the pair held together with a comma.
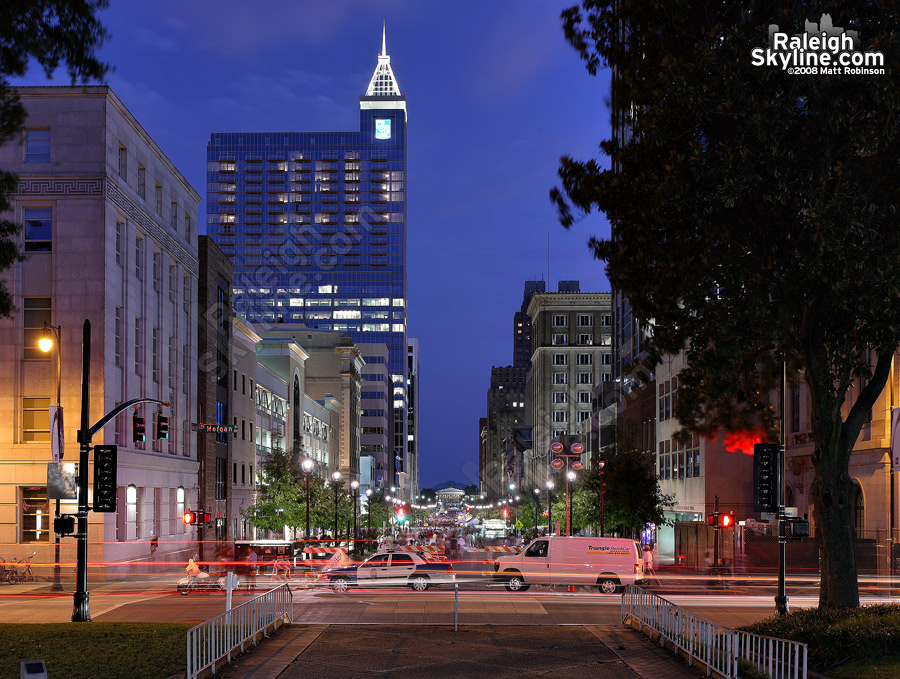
x: 608, y: 563
x: 390, y: 569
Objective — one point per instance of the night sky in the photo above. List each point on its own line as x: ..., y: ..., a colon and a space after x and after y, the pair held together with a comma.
x: 495, y: 96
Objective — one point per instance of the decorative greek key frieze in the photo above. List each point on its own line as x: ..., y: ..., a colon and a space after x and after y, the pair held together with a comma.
x: 60, y: 186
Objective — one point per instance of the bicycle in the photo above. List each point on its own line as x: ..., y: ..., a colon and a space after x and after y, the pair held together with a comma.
x: 25, y: 575
x: 6, y: 571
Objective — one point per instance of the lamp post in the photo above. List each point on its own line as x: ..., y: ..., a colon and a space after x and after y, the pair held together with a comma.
x: 516, y: 524
x: 549, y: 508
x: 537, y: 506
x: 570, y: 477
x: 354, y: 487
x: 600, y: 465
x: 336, y: 478
x: 46, y: 344
x: 307, y: 467
x: 368, y: 512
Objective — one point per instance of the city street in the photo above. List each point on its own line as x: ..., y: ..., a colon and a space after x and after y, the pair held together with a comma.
x: 154, y: 599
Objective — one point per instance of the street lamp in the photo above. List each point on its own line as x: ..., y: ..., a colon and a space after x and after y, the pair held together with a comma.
x: 336, y: 478
x: 354, y: 487
x: 549, y: 509
x: 600, y: 465
x: 307, y: 467
x: 368, y: 512
x: 570, y: 478
x: 537, y: 504
x: 45, y: 343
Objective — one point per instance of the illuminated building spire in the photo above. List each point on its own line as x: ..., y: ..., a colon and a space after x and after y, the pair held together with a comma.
x: 383, y: 82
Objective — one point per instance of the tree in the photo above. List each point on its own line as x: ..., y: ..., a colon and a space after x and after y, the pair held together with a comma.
x: 50, y: 32
x: 277, y: 494
x: 754, y: 220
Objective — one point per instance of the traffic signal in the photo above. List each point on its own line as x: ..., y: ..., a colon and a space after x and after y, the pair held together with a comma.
x: 726, y: 520
x: 203, y: 517
x: 190, y: 518
x: 505, y: 512
x: 401, y: 515
x: 162, y: 426
x: 710, y: 519
x: 137, y: 428
x: 105, y: 475
x: 765, y: 477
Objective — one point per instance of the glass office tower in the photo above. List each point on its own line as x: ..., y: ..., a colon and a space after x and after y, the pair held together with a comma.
x: 315, y: 223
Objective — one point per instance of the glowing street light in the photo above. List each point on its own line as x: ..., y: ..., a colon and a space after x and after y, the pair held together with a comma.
x: 307, y: 467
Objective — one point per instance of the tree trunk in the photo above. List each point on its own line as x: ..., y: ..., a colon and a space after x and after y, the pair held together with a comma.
x: 831, y: 493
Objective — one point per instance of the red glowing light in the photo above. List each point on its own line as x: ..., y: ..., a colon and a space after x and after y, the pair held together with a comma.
x: 743, y: 441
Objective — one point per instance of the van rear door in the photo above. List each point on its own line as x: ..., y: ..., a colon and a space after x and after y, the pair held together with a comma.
x: 536, y: 562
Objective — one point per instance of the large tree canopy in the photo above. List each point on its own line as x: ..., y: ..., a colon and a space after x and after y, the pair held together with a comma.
x: 51, y: 32
x: 754, y: 219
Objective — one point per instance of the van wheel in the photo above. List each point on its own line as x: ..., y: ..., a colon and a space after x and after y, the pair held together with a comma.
x: 515, y: 583
x: 608, y: 585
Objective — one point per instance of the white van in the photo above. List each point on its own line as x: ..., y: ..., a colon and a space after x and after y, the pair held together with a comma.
x: 608, y: 563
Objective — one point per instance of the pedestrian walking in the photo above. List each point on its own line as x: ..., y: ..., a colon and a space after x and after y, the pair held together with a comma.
x: 251, y: 567
x: 648, y: 564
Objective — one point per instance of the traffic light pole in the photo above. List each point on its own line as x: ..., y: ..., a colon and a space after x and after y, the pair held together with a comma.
x: 781, y: 600
x: 82, y: 598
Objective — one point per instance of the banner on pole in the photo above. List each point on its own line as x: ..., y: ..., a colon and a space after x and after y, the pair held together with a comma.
x: 56, y: 433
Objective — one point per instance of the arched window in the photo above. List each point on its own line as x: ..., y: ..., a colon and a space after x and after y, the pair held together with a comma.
x: 858, y: 508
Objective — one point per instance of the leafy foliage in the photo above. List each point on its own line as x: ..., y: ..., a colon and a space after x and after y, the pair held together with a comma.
x: 51, y: 32
x: 838, y: 636
x: 754, y: 217
x: 277, y: 494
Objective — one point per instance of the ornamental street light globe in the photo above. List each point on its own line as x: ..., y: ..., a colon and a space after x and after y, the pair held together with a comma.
x: 336, y: 476
x: 354, y: 484
x: 571, y: 475
x: 307, y: 465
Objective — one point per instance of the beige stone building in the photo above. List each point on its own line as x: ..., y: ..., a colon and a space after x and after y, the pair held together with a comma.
x: 111, y: 236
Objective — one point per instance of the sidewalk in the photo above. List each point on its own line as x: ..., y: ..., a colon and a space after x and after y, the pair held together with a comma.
x: 494, y: 652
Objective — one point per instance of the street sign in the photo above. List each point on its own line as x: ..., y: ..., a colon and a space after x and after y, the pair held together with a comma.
x: 519, y: 525
x: 556, y: 463
x: 577, y: 448
x: 556, y: 447
x: 213, y: 428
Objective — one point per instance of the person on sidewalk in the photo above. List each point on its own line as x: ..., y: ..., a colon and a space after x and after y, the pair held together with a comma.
x: 251, y: 567
x: 648, y: 565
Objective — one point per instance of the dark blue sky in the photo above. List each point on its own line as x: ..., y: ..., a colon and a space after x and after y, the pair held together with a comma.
x: 495, y: 96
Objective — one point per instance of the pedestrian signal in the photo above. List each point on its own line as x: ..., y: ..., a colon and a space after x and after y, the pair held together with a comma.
x: 190, y: 518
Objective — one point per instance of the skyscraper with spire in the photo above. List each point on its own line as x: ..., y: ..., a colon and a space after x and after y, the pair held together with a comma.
x: 315, y: 223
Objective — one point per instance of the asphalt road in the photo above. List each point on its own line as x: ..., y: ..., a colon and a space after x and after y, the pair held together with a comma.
x: 154, y: 599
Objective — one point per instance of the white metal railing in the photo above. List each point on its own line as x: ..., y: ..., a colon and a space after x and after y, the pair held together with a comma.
x: 720, y: 648
x: 220, y: 637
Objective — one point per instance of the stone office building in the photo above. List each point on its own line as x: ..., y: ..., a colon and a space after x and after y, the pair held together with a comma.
x: 572, y: 339
x: 110, y: 236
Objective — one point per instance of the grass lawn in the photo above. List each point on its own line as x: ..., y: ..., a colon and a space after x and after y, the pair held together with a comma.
x: 876, y: 668
x: 96, y: 650
x: 860, y: 642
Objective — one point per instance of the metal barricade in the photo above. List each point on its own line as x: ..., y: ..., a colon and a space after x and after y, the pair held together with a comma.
x: 718, y: 647
x: 228, y: 633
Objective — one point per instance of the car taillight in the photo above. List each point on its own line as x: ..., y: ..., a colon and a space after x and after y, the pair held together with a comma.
x: 637, y: 568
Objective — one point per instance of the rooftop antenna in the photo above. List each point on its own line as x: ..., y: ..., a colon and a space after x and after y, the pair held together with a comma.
x: 384, y: 38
